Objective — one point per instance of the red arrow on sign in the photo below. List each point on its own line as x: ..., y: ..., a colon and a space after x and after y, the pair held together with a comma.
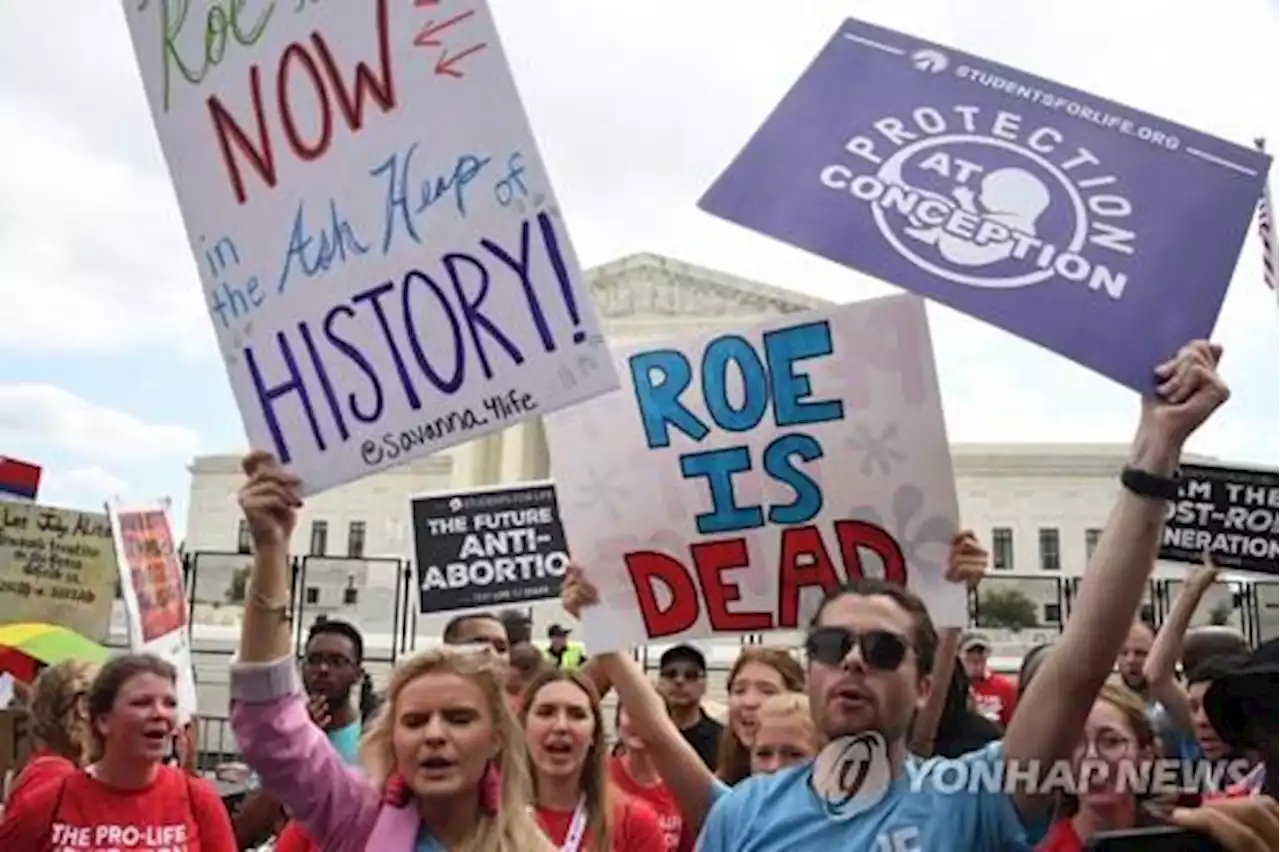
x: 426, y: 36
x: 444, y: 65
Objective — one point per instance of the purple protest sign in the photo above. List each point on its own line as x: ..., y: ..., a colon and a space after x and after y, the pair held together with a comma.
x: 1103, y: 233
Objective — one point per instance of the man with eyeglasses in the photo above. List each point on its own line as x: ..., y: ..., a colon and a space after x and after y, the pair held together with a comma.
x: 332, y: 668
x: 682, y: 682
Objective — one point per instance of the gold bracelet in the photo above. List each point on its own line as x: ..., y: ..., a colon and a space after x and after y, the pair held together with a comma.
x: 260, y: 603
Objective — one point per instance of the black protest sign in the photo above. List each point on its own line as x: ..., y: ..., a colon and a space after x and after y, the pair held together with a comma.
x: 484, y: 548
x: 1230, y: 512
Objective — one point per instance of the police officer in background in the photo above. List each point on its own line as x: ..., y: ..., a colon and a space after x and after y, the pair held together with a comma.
x: 563, y: 653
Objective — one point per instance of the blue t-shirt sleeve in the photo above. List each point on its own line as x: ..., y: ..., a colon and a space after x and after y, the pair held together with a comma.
x: 983, y: 810
x: 718, y: 790
x: 718, y: 833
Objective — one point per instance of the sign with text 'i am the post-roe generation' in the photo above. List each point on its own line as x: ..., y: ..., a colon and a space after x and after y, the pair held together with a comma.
x: 1105, y: 234
x: 379, y: 247
x: 735, y: 478
x: 1233, y: 513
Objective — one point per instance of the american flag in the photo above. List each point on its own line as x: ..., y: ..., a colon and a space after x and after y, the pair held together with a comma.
x: 1270, y: 261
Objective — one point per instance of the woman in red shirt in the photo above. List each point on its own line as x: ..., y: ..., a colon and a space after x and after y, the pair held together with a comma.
x: 634, y: 774
x: 127, y: 799
x: 576, y: 805
x: 1117, y: 738
x: 59, y: 719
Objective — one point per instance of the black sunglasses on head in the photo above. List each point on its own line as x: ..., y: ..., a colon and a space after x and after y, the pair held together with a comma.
x: 880, y: 649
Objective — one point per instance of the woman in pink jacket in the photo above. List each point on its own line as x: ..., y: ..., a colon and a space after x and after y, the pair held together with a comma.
x: 443, y: 763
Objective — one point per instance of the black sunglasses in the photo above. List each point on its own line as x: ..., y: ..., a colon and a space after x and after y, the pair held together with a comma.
x: 880, y: 649
x: 690, y: 674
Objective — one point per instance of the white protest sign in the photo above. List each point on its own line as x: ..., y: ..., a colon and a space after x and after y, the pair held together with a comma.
x: 155, y: 600
x: 734, y: 478
x: 379, y: 247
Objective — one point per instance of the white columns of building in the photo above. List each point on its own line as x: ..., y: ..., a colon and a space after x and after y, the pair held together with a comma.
x: 518, y: 454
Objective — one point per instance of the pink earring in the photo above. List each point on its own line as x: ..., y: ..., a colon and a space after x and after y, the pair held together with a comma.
x: 490, y: 789
x: 396, y: 791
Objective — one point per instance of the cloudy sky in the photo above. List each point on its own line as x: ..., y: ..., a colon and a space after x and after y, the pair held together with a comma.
x: 109, y: 373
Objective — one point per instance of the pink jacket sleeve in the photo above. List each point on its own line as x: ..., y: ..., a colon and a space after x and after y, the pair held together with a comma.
x: 294, y: 759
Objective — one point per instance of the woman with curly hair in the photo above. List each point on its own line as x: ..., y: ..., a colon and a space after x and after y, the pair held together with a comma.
x: 58, y: 716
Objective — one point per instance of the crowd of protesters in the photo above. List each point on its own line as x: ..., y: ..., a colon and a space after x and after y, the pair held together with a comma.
x: 850, y: 742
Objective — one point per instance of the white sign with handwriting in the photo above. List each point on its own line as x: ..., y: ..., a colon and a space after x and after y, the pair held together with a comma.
x: 380, y: 250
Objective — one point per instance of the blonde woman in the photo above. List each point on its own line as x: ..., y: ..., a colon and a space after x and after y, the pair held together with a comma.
x: 58, y: 714
x: 577, y: 805
x: 785, y: 734
x: 443, y: 762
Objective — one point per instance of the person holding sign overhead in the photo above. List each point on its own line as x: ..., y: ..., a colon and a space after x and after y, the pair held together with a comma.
x: 870, y: 649
x: 443, y: 763
x: 695, y: 786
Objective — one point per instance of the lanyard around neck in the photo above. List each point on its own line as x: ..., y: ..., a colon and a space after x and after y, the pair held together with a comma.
x: 577, y: 828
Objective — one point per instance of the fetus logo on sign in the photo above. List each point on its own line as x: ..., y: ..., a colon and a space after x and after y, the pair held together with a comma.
x: 986, y: 198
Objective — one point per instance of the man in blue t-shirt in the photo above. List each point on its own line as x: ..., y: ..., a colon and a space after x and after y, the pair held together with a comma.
x: 870, y: 650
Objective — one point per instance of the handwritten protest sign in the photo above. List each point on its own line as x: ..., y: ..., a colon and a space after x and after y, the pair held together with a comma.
x: 154, y: 599
x: 1060, y: 216
x: 488, y: 546
x: 735, y: 478
x: 57, y: 566
x: 380, y: 249
x: 1229, y: 511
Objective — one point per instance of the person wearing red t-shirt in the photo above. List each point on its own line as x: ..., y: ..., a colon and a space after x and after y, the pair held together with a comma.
x: 59, y: 720
x: 1117, y: 736
x: 994, y: 695
x: 578, y: 808
x: 634, y: 774
x: 128, y: 801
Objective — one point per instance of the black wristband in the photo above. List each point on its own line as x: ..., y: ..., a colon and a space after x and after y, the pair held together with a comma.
x: 1152, y: 485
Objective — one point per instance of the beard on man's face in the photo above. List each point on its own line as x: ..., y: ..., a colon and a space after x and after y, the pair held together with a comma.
x: 1136, y: 682
x: 334, y: 693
